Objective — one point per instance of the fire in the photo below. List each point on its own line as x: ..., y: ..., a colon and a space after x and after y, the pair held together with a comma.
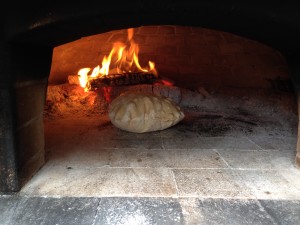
x: 122, y: 59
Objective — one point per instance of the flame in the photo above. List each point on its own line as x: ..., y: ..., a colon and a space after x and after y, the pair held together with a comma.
x: 121, y: 58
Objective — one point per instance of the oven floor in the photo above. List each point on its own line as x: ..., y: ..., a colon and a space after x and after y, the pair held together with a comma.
x: 208, y: 169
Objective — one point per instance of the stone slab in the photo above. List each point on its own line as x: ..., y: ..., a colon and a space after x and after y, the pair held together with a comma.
x: 210, y: 183
x: 241, y: 143
x: 184, y: 158
x: 282, y: 211
x: 275, y: 143
x: 8, y: 205
x: 233, y: 212
x: 49, y: 211
x: 144, y: 211
x: 15, y: 209
x: 271, y: 159
x: 101, y: 182
x: 270, y: 184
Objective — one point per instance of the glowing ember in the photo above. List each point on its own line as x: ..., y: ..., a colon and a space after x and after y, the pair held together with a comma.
x: 123, y: 59
x: 167, y: 82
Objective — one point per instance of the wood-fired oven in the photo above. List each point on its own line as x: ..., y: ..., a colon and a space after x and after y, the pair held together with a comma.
x: 198, y: 47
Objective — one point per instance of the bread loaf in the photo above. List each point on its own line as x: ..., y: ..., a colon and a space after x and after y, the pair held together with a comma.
x: 144, y: 112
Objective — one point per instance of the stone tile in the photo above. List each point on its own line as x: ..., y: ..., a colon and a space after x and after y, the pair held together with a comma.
x: 120, y: 139
x: 141, y: 182
x: 146, y: 211
x: 241, y: 143
x: 179, y: 130
x: 237, y: 211
x: 8, y: 205
x: 93, y: 158
x: 65, y: 132
x: 292, y: 176
x: 269, y: 184
x: 124, y: 143
x: 147, y: 143
x: 80, y: 158
x: 62, y: 135
x: 60, y: 143
x: 275, y: 143
x: 258, y: 159
x: 130, y: 135
x: 166, y: 158
x: 61, y: 125
x: 103, y: 129
x: 273, y: 128
x: 216, y: 183
x: 283, y: 212
x: 97, y: 137
x: 233, y: 212
x: 49, y: 211
x: 190, y: 210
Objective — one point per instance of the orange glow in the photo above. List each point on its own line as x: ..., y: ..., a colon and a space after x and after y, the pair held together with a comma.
x: 107, y: 93
x: 167, y: 82
x: 121, y: 59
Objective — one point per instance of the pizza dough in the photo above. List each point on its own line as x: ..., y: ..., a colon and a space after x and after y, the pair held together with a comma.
x: 144, y: 112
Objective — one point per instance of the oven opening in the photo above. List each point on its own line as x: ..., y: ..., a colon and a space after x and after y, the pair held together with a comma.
x: 240, y: 116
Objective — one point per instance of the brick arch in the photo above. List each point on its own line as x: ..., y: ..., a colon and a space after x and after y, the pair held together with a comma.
x: 190, y: 56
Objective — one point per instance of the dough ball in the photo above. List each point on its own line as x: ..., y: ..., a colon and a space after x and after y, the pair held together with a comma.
x: 144, y: 112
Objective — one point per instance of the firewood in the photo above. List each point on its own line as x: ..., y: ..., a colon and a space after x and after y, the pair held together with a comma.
x: 122, y: 79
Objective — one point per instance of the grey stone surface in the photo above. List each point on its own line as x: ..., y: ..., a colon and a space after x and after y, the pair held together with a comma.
x: 209, y: 143
x: 270, y: 184
x: 185, y: 158
x: 147, y: 143
x: 190, y: 210
x: 95, y: 133
x: 249, y: 159
x: 139, y: 211
x: 81, y: 159
x: 8, y: 204
x: 284, y: 143
x: 283, y: 212
x: 233, y: 212
x: 292, y: 177
x: 96, y: 138
x: 199, y: 157
x: 24, y: 210
x: 101, y: 182
x: 215, y: 183
x: 50, y: 211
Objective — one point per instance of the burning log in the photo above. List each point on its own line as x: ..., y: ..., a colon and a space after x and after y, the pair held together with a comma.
x: 122, y: 79
x: 123, y: 59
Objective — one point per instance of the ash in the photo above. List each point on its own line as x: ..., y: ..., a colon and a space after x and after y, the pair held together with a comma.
x: 209, y: 112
